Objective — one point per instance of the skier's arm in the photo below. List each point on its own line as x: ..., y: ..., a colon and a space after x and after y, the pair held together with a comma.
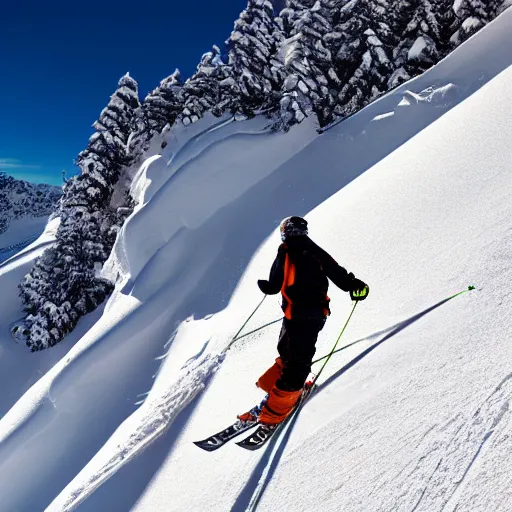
x: 345, y: 280
x: 337, y: 274
x: 275, y: 280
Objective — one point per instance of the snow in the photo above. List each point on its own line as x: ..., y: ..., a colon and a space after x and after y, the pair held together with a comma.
x: 506, y: 4
x: 471, y: 23
x: 417, y: 48
x: 413, y: 197
x: 443, y: 96
x: 21, y: 233
x: 381, y: 117
x: 457, y: 4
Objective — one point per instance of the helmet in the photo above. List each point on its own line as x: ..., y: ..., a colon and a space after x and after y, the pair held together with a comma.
x: 293, y: 226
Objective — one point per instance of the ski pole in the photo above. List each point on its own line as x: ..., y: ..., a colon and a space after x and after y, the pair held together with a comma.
x: 235, y: 337
x: 469, y: 288
x: 258, y: 329
x: 336, y: 344
x: 341, y: 349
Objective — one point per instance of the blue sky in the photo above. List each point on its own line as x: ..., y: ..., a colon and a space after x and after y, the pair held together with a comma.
x: 60, y: 62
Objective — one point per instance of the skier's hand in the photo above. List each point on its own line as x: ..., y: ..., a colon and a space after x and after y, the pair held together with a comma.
x: 264, y: 286
x: 359, y: 291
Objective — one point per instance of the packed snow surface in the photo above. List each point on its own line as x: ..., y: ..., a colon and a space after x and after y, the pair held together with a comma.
x: 413, y: 196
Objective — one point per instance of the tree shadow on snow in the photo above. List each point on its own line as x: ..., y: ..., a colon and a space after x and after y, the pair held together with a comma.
x: 262, y: 474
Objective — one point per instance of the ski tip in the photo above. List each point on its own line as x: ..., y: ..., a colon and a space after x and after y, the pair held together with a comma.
x: 249, y: 446
x: 205, y: 446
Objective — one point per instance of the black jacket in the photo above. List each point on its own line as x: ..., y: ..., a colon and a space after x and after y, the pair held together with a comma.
x: 308, y: 270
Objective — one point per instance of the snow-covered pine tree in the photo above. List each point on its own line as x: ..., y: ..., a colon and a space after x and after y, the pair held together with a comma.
x: 253, y: 43
x: 361, y: 44
x: 160, y: 107
x: 446, y: 20
x: 472, y: 15
x: 63, y: 284
x: 200, y: 93
x: 290, y: 14
x: 310, y: 77
x: 420, y: 27
x: 106, y: 153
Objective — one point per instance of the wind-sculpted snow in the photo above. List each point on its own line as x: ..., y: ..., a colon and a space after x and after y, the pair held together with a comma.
x: 430, y: 218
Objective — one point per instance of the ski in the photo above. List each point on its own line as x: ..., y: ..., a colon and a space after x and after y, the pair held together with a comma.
x: 264, y: 432
x: 218, y: 440
x: 259, y: 437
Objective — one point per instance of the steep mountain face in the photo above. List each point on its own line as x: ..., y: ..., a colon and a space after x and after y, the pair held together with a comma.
x: 21, y: 199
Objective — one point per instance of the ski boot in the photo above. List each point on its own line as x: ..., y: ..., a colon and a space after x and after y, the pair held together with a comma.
x: 252, y: 415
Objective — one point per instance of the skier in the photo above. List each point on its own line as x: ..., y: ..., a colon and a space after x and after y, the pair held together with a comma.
x: 300, y: 273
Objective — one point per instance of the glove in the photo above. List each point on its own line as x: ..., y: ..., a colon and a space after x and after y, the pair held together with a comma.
x: 263, y: 286
x: 360, y: 290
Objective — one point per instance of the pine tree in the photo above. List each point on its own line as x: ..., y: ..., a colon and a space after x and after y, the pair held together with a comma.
x: 63, y: 284
x: 362, y: 48
x: 252, y: 85
x: 201, y: 92
x: 472, y: 15
x: 290, y: 15
x: 310, y: 76
x: 423, y: 29
x: 106, y: 153
x: 161, y: 107
x: 19, y: 198
x: 421, y: 36
x: 447, y: 20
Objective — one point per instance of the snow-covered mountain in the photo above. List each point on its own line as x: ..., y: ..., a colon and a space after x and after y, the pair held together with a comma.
x: 320, y: 59
x: 412, y: 194
x: 24, y: 211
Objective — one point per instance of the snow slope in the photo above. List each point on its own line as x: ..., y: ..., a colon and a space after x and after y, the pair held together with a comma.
x: 413, y: 416
x: 21, y: 233
x: 19, y: 369
x: 24, y: 210
x: 423, y: 422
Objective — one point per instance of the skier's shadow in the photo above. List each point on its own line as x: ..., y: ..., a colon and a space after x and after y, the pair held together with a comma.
x: 250, y: 496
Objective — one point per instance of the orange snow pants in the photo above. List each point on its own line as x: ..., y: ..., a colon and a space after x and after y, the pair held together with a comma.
x: 284, y: 380
x: 279, y: 403
x: 268, y: 380
x: 278, y: 406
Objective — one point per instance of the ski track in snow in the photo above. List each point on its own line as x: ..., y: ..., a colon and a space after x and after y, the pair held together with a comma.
x: 448, y: 454
x: 193, y: 379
